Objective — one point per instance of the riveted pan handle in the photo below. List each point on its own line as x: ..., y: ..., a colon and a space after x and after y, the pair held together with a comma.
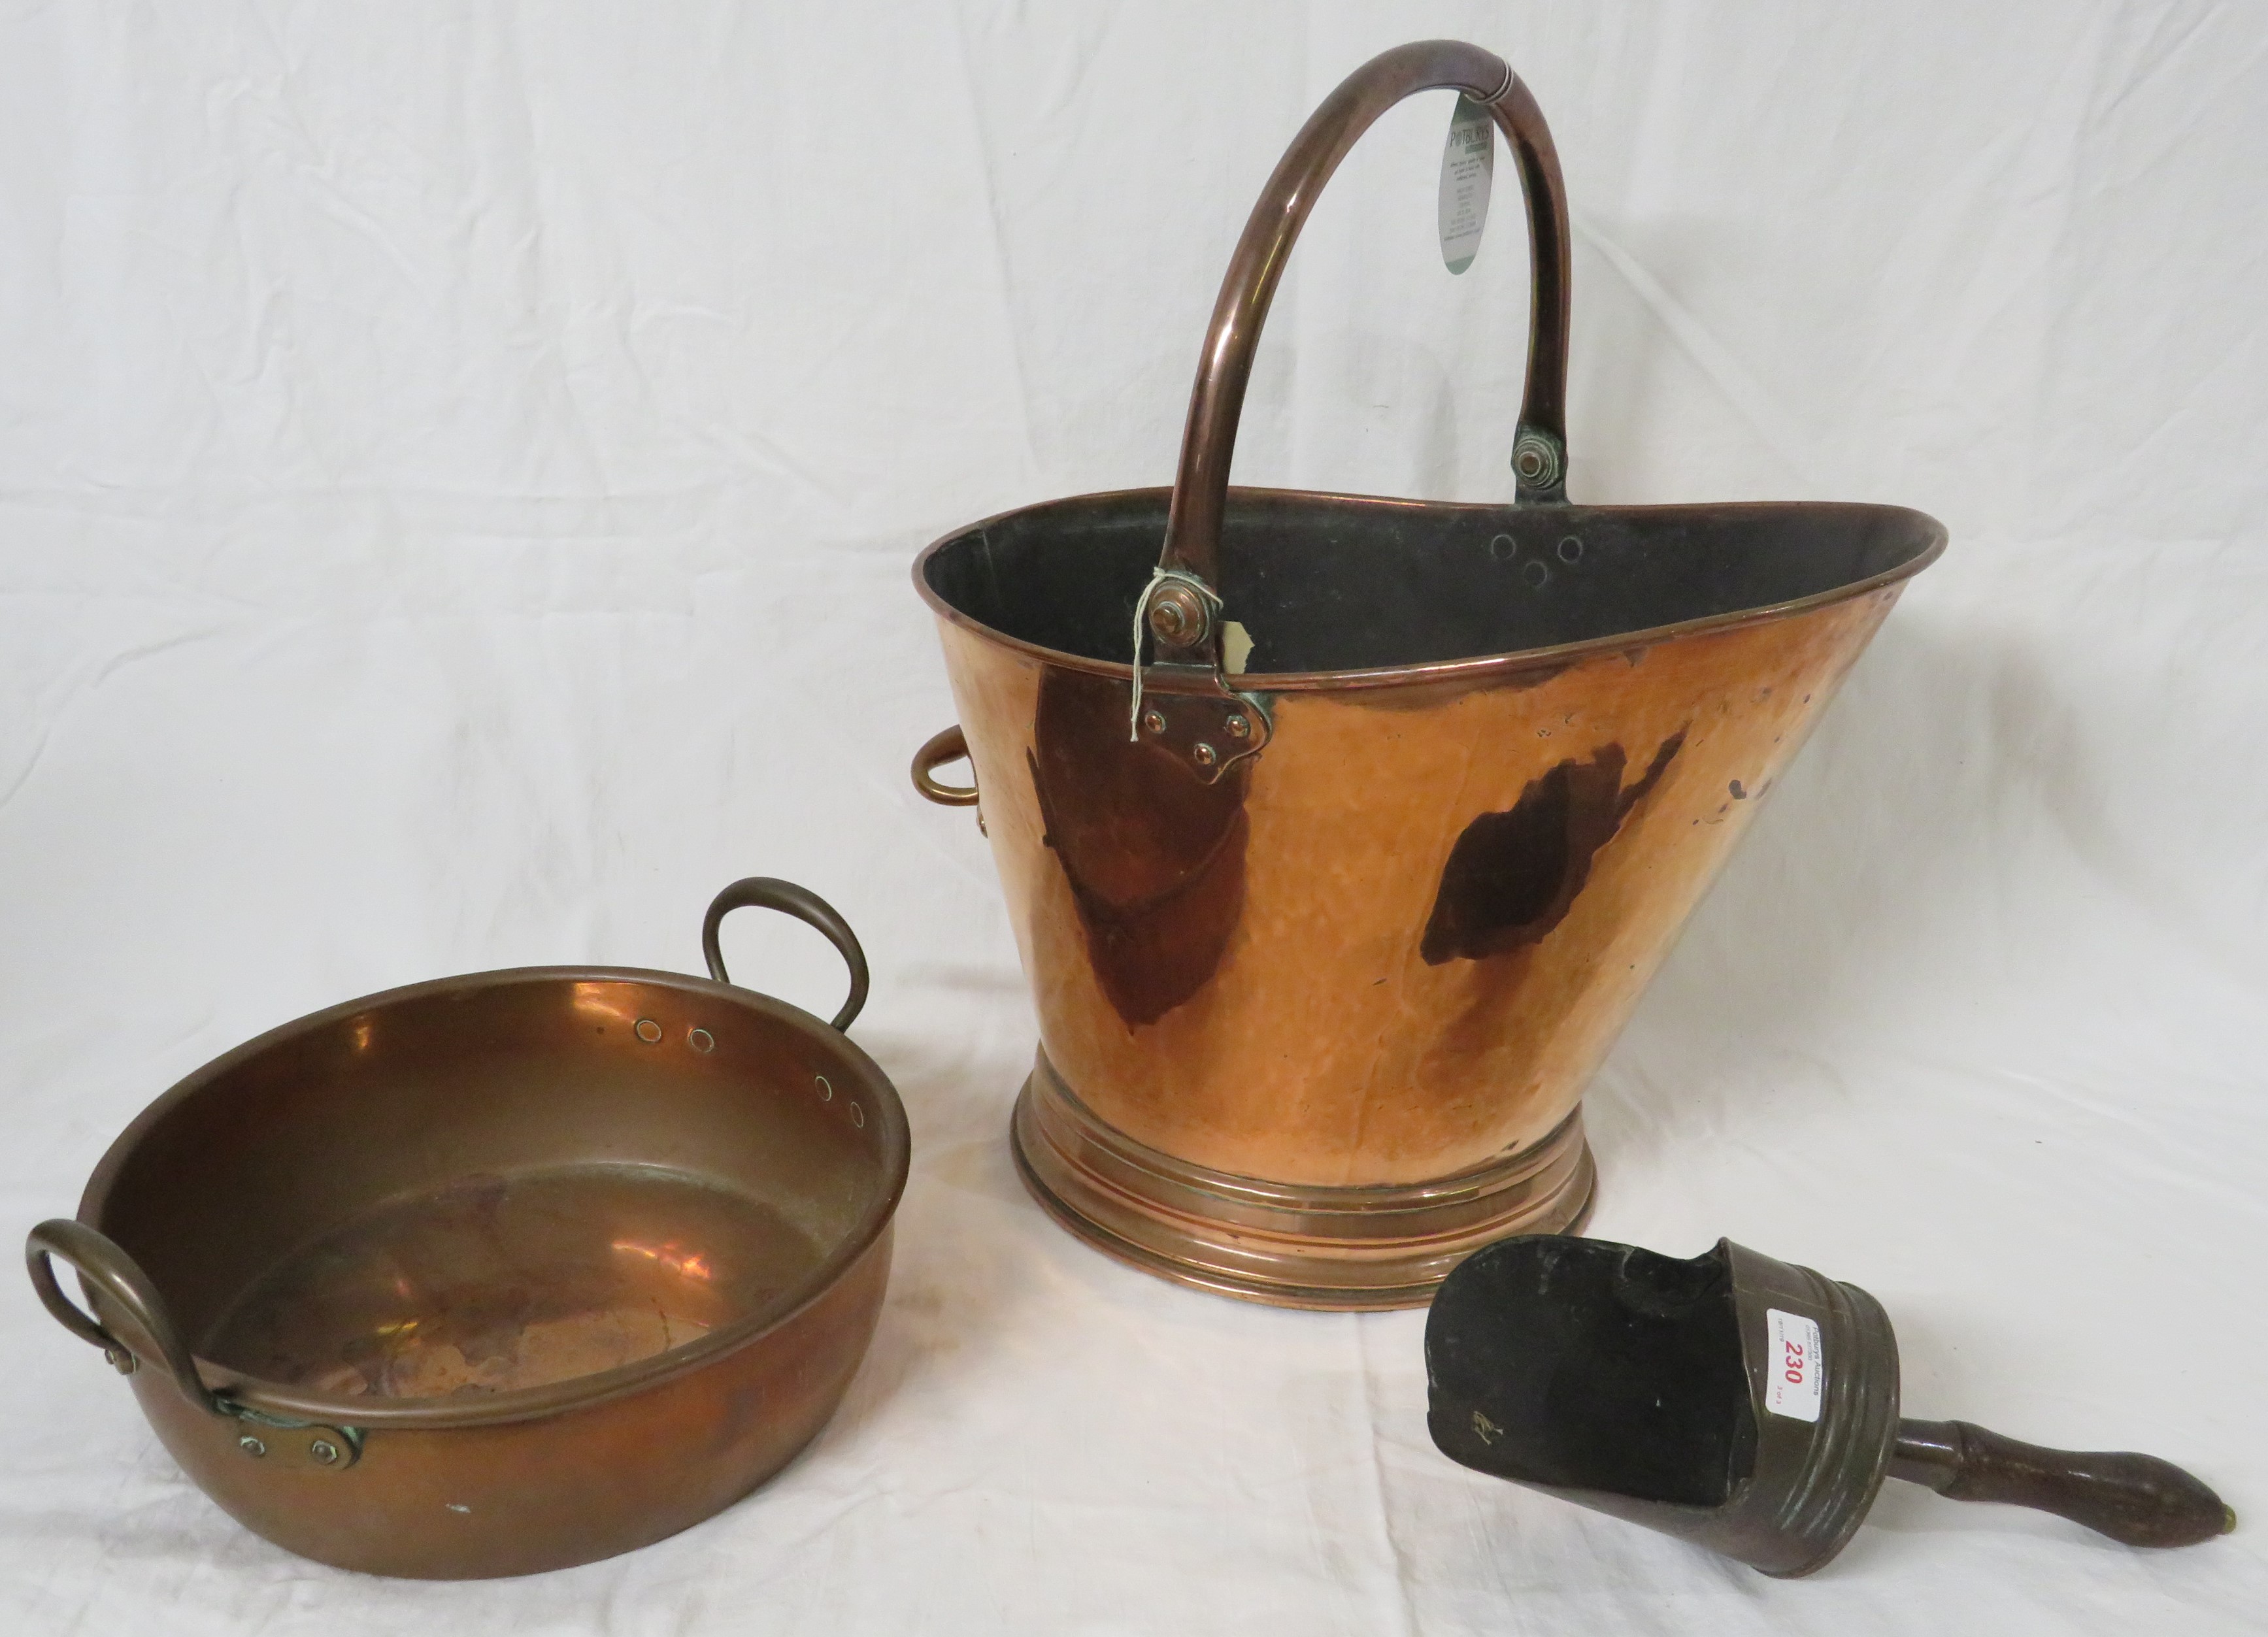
x: 949, y: 747
x: 1182, y: 606
x: 103, y: 1264
x: 766, y: 892
x: 105, y: 1267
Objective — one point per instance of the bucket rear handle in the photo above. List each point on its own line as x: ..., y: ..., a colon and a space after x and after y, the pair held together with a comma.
x: 767, y: 892
x: 942, y: 749
x: 1187, y: 630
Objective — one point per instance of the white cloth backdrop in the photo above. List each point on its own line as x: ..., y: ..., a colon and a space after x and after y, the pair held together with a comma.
x: 459, y: 468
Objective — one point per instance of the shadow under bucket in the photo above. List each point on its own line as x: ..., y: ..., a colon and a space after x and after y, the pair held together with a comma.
x: 1334, y: 890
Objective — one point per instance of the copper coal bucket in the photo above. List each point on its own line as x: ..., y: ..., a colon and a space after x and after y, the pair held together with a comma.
x: 1333, y: 897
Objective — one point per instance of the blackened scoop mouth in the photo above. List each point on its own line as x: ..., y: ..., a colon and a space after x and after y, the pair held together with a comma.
x: 1580, y: 1364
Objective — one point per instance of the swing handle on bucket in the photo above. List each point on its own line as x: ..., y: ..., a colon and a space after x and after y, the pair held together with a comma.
x: 1182, y: 606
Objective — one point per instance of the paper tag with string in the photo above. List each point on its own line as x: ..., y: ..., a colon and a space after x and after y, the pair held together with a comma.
x: 1467, y: 167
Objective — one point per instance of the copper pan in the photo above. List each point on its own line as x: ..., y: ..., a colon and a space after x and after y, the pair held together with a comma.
x: 501, y: 1272
x: 1335, y: 890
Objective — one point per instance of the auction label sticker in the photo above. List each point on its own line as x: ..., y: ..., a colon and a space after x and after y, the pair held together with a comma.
x: 1792, y: 1346
x: 1468, y: 166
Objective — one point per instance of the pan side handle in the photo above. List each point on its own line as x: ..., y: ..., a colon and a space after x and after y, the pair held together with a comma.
x: 107, y: 1270
x: 768, y: 892
x: 1180, y: 624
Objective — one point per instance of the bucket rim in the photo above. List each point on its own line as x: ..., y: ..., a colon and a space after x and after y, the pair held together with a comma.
x: 1478, y: 669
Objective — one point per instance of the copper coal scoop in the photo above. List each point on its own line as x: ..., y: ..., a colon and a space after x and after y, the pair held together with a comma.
x: 1340, y: 834
x: 501, y: 1272
x: 1743, y: 1404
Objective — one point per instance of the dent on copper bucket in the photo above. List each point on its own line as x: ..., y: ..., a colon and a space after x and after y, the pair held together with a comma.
x: 1340, y: 834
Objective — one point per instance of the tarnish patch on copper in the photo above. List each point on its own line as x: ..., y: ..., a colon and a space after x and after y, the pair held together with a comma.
x: 1513, y: 876
x: 1154, y: 859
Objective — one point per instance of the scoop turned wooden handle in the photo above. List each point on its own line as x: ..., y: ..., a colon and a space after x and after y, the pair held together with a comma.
x: 2136, y: 1499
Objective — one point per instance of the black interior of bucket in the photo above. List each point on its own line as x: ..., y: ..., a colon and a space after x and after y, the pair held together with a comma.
x: 1332, y: 584
x: 1587, y: 1365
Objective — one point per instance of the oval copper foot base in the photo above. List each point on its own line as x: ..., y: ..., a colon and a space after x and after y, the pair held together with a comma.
x: 1281, y: 1244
